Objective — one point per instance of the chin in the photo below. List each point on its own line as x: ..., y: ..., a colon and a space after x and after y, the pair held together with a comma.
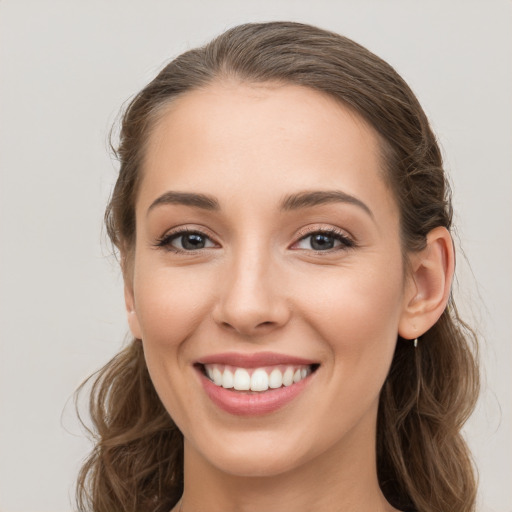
x: 256, y: 464
x: 256, y: 454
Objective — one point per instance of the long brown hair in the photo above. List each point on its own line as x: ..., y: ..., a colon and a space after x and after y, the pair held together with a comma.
x: 423, y: 461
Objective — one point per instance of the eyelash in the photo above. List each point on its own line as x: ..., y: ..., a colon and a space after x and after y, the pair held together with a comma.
x: 346, y: 242
x: 165, y: 241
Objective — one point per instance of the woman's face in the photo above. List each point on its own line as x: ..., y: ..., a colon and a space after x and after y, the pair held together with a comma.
x: 267, y: 249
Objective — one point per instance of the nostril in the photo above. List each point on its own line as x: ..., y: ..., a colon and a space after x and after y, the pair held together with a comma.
x: 243, y: 328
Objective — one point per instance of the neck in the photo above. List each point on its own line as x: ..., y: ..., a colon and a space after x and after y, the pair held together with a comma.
x: 342, y: 479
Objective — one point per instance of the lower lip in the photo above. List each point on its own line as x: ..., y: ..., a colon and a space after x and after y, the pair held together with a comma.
x: 243, y: 403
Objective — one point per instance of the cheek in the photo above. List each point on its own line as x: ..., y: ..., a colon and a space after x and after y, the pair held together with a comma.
x: 356, y: 316
x: 356, y: 312
x: 170, y: 303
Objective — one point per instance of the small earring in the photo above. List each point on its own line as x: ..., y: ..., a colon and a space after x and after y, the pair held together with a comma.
x: 415, y: 342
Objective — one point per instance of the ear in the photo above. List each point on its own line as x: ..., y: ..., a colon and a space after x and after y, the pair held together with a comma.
x: 133, y: 320
x: 428, y: 284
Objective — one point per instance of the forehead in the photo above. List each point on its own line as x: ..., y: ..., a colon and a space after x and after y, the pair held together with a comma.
x: 269, y: 139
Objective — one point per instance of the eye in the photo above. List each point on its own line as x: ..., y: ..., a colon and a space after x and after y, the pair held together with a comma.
x: 325, y: 240
x: 185, y: 241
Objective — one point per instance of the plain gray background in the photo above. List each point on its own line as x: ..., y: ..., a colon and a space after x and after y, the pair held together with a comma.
x: 66, y: 67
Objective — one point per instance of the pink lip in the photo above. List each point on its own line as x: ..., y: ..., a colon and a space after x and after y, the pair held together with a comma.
x: 256, y: 360
x: 243, y: 403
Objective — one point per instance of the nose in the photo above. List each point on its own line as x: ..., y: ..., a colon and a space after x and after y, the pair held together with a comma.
x: 253, y: 299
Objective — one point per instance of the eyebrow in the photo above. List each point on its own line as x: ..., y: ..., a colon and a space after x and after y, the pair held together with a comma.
x: 187, y: 199
x: 311, y: 198
x: 306, y: 199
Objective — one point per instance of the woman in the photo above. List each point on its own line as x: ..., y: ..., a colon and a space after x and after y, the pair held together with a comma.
x: 283, y: 222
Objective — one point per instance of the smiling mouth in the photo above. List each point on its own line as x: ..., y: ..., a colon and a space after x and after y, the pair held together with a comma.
x: 256, y: 380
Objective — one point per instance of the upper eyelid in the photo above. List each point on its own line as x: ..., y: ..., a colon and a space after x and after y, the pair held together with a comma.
x: 311, y: 230
x: 179, y: 230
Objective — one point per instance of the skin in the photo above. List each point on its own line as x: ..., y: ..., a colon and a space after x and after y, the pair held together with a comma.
x: 258, y: 285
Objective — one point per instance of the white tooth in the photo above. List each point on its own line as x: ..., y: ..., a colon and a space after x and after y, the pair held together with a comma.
x: 242, y: 380
x: 227, y: 379
x: 303, y: 373
x: 276, y: 379
x: 259, y: 380
x: 209, y: 372
x: 296, y: 376
x: 288, y: 377
x: 217, y: 376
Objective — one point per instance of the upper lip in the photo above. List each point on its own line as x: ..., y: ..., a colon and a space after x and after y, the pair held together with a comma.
x: 254, y: 360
